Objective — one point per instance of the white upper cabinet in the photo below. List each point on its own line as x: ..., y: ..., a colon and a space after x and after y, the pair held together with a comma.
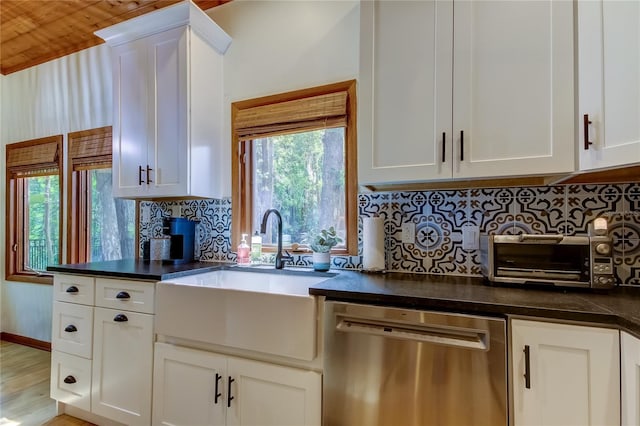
x: 168, y: 104
x: 486, y: 91
x: 609, y: 83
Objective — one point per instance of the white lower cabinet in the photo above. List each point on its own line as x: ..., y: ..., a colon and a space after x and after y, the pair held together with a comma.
x: 630, y: 356
x: 122, y: 366
x: 194, y: 387
x: 102, y: 349
x: 565, y: 374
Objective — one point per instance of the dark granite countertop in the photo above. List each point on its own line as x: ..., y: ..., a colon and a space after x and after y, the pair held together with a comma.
x: 619, y: 307
x: 136, y: 269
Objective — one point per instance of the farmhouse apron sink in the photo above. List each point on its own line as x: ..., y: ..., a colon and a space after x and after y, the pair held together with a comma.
x: 259, y: 311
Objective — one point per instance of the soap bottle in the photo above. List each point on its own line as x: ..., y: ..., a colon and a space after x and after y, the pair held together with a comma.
x: 256, y: 249
x: 243, y: 251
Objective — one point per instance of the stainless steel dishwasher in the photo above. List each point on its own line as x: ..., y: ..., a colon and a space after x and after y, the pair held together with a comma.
x: 401, y: 367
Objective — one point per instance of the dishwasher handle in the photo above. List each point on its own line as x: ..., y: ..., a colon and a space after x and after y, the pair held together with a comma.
x: 427, y: 333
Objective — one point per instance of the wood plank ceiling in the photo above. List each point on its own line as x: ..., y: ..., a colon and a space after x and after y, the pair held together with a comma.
x: 37, y: 31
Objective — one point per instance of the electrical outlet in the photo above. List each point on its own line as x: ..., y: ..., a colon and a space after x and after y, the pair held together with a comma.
x: 470, y: 237
x: 176, y: 211
x: 409, y: 233
x: 146, y: 214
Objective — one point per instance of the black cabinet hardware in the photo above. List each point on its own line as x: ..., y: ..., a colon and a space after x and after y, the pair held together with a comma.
x: 218, y: 394
x: 444, y: 147
x: 461, y: 145
x: 148, y: 175
x: 123, y: 295
x: 585, y: 123
x: 70, y: 328
x: 120, y: 318
x: 69, y: 380
x: 229, y: 397
x: 527, y: 367
x: 72, y: 289
x: 140, y: 181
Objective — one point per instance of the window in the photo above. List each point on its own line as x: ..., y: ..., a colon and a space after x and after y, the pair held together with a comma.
x: 100, y: 226
x: 296, y: 152
x: 33, y: 208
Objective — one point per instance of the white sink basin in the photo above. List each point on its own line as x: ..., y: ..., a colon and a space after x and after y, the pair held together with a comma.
x: 259, y: 311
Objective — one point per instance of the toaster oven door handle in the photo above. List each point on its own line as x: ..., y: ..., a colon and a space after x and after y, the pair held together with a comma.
x: 542, y: 238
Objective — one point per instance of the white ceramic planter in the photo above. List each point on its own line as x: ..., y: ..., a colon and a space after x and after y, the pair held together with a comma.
x: 321, y: 261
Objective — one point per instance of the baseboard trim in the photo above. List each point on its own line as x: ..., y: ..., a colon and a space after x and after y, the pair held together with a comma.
x: 26, y: 341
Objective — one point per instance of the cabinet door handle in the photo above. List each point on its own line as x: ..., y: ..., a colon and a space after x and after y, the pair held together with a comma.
x: 149, y: 169
x: 70, y: 328
x: 229, y: 397
x: 461, y: 145
x: 72, y: 289
x: 120, y: 318
x: 123, y: 295
x: 69, y: 380
x: 140, y: 170
x: 527, y: 367
x: 218, y: 394
x: 585, y: 123
x: 444, y: 147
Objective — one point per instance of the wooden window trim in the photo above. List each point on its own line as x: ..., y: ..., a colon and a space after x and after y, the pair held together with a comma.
x: 18, y: 168
x: 241, y: 208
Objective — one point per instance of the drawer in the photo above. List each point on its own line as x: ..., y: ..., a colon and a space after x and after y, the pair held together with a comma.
x: 72, y: 329
x: 71, y: 380
x: 136, y: 296
x: 73, y: 288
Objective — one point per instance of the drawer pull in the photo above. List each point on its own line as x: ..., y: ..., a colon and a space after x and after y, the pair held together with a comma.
x: 120, y: 318
x: 123, y: 295
x: 70, y: 328
x: 72, y: 289
x: 69, y: 380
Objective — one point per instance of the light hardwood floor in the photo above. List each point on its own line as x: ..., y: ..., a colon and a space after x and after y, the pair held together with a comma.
x: 24, y: 388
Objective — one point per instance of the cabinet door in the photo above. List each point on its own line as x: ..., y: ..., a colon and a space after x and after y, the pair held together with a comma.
x: 609, y: 82
x: 574, y: 374
x: 269, y: 395
x: 404, y: 131
x: 630, y: 379
x: 513, y: 100
x: 169, y: 135
x: 122, y: 366
x: 131, y: 118
x: 186, y: 382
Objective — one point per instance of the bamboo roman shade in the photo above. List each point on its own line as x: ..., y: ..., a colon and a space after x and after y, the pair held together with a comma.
x: 90, y: 148
x: 311, y: 113
x: 37, y: 156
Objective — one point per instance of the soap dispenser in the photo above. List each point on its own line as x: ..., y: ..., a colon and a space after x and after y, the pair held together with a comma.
x: 243, y: 251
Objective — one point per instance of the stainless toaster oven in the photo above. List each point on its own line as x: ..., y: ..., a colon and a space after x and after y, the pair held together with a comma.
x: 549, y: 259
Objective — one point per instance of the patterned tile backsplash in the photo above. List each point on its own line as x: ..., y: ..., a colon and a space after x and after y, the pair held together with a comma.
x: 439, y: 218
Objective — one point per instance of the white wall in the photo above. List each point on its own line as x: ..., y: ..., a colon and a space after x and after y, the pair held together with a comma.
x: 277, y: 46
x: 69, y: 94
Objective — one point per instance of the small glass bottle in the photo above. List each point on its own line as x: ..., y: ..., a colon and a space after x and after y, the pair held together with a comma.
x: 243, y: 251
x: 256, y: 249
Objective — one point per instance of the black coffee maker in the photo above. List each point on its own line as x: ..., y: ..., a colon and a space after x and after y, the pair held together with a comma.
x: 182, y: 233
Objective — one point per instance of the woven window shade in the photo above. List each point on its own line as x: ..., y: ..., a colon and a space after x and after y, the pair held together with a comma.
x: 38, y: 156
x: 312, y: 113
x: 90, y: 148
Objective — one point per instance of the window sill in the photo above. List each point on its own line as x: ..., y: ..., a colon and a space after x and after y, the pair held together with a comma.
x: 29, y: 278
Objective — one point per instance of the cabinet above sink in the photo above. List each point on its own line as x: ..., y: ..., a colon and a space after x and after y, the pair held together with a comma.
x: 168, y: 104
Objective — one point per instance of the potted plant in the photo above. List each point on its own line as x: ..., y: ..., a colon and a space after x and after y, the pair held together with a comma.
x: 321, y: 244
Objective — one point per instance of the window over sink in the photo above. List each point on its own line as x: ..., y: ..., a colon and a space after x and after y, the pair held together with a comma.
x: 296, y: 152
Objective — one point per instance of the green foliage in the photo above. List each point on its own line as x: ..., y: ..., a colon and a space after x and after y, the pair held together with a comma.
x: 322, y: 241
